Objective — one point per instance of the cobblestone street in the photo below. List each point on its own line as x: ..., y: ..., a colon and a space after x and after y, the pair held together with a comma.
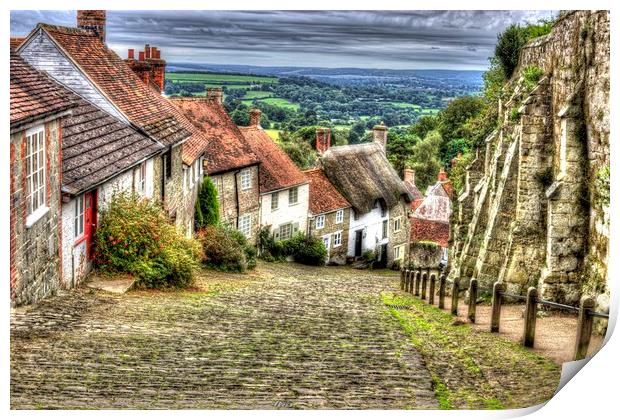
x: 284, y: 336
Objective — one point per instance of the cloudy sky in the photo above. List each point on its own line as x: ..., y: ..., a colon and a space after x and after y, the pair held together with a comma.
x: 370, y: 39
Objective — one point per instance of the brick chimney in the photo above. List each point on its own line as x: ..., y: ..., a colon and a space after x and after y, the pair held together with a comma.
x: 409, y: 176
x: 379, y: 135
x: 93, y: 20
x: 442, y: 175
x: 323, y: 139
x: 255, y: 115
x: 149, y: 66
x: 214, y: 94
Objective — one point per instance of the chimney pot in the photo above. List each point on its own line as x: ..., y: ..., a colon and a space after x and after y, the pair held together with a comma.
x: 379, y: 135
x: 92, y: 20
x: 442, y: 175
x: 130, y: 53
x: 323, y: 139
x: 409, y: 176
x: 255, y: 115
x: 214, y: 94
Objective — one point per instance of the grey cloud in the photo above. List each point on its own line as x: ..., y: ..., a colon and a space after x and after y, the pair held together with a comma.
x: 382, y: 39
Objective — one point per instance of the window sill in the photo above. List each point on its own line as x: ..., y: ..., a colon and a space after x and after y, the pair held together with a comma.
x: 34, y: 217
x: 293, y: 204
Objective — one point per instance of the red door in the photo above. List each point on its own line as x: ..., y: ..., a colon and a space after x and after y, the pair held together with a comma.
x: 90, y: 221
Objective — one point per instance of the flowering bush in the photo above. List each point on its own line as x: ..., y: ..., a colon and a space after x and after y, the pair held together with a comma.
x: 226, y: 249
x: 135, y: 236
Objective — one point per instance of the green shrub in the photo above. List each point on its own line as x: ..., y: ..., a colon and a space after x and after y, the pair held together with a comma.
x: 531, y: 76
x: 135, y: 236
x: 226, y: 249
x: 207, y: 205
x: 515, y: 115
x: 304, y: 249
x: 307, y: 250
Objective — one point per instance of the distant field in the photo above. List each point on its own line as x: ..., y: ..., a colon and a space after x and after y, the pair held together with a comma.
x: 257, y: 94
x: 219, y: 78
x: 274, y: 134
x: 283, y: 103
x: 404, y: 105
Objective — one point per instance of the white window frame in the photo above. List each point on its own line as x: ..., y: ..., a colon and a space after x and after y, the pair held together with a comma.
x: 337, y: 239
x: 284, y: 226
x: 293, y: 192
x: 385, y: 229
x: 35, y: 190
x: 340, y: 216
x: 399, y: 252
x: 185, y: 181
x: 78, y: 217
x: 140, y: 178
x: 245, y: 225
x: 398, y: 221
x: 276, y: 196
x: 327, y: 242
x: 319, y: 222
x: 246, y: 179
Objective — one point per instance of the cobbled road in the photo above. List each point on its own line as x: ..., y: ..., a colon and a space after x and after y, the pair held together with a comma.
x: 284, y: 336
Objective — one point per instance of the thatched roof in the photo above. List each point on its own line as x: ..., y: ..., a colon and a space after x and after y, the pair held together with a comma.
x: 363, y: 175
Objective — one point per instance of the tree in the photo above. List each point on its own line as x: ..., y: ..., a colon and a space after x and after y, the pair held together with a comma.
x: 400, y: 147
x: 424, y: 160
x: 207, y: 205
x: 508, y: 48
x: 424, y: 125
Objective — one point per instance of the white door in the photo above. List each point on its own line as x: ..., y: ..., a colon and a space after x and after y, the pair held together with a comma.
x: 326, y: 242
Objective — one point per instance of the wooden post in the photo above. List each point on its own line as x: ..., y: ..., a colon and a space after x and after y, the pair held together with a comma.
x: 473, y: 297
x: 496, y: 308
x: 431, y: 290
x: 403, y: 273
x: 442, y: 291
x: 424, y: 281
x: 529, y: 324
x: 455, y: 297
x: 584, y: 327
x: 410, y: 281
x: 418, y: 274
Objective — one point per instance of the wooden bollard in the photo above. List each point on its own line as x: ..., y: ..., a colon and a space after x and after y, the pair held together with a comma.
x: 431, y: 290
x: 442, y: 291
x: 418, y: 275
x: 403, y: 273
x: 529, y: 324
x: 455, y: 297
x: 410, y: 281
x: 584, y: 327
x: 424, y: 281
x: 473, y: 297
x: 496, y: 306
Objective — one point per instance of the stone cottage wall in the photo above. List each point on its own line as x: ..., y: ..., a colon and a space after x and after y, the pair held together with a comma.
x: 229, y: 189
x: 35, y: 251
x: 337, y: 255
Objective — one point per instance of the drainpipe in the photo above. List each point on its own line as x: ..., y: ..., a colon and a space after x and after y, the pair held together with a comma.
x: 237, y: 197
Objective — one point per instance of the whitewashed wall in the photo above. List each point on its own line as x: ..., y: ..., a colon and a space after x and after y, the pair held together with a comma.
x: 297, y: 213
x: 42, y: 54
x: 372, y: 223
x: 74, y: 262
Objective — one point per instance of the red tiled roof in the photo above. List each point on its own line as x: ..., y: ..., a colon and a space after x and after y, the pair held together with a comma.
x: 227, y: 148
x: 33, y: 94
x: 141, y: 104
x: 277, y: 170
x: 16, y: 42
x: 324, y: 197
x: 430, y: 230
